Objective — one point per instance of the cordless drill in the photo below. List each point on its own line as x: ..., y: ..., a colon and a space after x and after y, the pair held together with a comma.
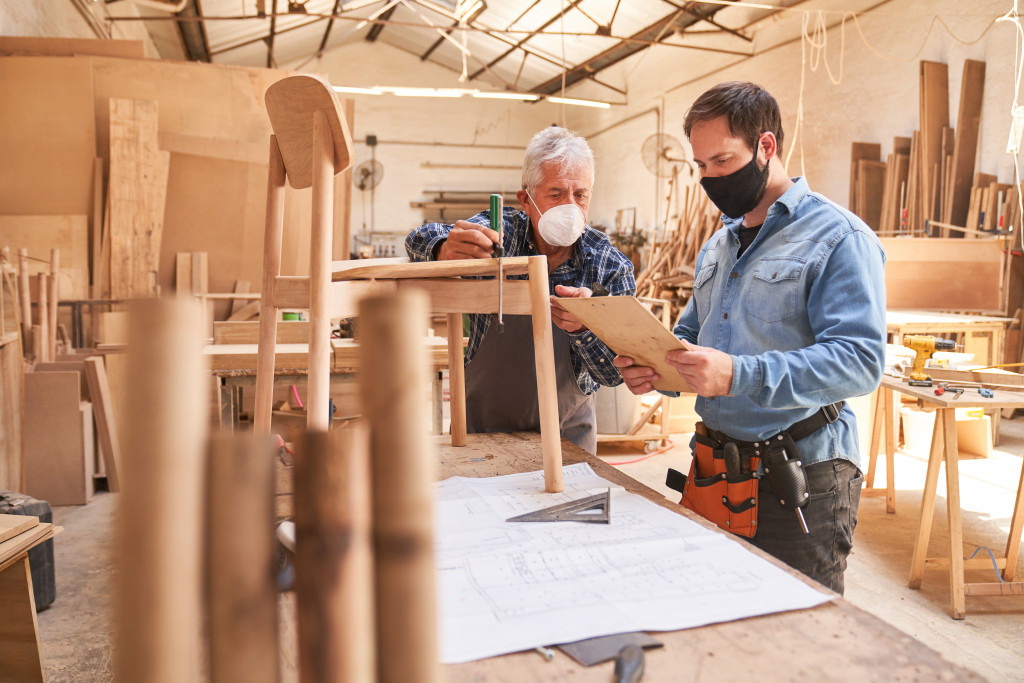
x: 924, y: 346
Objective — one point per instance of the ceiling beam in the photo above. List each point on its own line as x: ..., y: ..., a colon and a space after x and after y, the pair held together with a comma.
x: 519, y: 44
x: 193, y: 33
x: 437, y: 43
x: 627, y: 47
x: 372, y: 34
x: 330, y: 25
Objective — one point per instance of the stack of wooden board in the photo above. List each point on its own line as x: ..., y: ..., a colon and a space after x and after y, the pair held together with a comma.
x: 669, y: 272
x: 925, y: 185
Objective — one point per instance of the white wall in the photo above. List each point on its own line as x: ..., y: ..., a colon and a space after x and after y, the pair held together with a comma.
x: 875, y: 100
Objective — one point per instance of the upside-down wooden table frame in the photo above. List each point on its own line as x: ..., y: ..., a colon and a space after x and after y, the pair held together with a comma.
x: 311, y: 144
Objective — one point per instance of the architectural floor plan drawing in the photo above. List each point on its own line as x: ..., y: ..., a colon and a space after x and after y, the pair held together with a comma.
x: 505, y: 587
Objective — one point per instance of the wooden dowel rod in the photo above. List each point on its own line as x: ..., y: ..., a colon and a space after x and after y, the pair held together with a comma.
x: 272, y: 235
x: 44, y: 317
x: 319, y: 387
x: 25, y: 299
x: 393, y: 360
x: 160, y: 522
x: 333, y: 556
x: 456, y: 380
x: 544, y: 360
x: 241, y: 590
x: 54, y: 298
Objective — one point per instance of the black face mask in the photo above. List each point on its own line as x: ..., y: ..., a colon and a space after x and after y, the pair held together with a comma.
x: 738, y: 193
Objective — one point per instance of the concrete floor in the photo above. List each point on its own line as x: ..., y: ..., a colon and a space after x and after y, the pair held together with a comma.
x: 76, y: 630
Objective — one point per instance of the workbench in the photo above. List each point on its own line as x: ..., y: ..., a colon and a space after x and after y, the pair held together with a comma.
x: 983, y: 335
x: 944, y: 450
x: 836, y: 637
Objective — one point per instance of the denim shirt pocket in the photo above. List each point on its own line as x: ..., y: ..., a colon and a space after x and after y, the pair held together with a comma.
x: 703, y: 283
x: 775, y: 289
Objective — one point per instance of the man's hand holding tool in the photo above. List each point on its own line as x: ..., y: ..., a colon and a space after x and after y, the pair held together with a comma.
x: 468, y: 240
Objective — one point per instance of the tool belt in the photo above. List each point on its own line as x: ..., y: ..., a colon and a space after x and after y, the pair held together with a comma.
x: 723, y: 481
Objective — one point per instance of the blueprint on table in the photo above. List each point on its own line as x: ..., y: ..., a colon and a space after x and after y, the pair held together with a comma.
x: 505, y: 586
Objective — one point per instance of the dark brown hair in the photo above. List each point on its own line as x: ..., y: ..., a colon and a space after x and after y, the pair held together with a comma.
x: 750, y: 110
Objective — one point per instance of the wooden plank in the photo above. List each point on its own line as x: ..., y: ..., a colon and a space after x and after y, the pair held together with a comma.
x: 41, y: 233
x: 968, y: 122
x: 241, y: 287
x: 247, y: 332
x: 934, y: 115
x: 12, y: 525
x: 138, y: 189
x: 56, y: 467
x: 944, y: 274
x: 401, y: 267
x: 11, y: 406
x: 48, y: 140
x: 867, y: 151
x: 870, y: 179
x: 631, y: 330
x: 106, y: 426
x: 69, y: 47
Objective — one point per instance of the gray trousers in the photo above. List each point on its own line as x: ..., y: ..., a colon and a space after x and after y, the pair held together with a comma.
x: 831, y: 515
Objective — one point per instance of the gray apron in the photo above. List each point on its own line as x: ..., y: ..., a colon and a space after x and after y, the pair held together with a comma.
x: 501, y: 386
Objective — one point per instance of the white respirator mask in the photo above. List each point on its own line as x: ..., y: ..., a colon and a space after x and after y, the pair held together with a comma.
x: 560, y: 225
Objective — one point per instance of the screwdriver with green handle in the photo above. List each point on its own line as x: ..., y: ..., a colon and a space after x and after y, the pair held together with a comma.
x: 498, y: 251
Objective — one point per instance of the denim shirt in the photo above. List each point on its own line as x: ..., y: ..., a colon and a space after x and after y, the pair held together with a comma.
x: 802, y: 313
x: 594, y: 259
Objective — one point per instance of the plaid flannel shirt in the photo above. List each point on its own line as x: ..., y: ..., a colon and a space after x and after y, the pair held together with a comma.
x: 594, y: 259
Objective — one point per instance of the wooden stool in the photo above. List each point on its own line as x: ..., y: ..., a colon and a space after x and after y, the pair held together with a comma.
x: 311, y: 144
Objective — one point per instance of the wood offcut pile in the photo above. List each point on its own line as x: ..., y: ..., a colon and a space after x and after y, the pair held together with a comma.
x: 671, y: 260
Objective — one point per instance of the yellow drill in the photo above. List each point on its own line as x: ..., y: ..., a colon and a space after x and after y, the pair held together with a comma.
x: 924, y: 346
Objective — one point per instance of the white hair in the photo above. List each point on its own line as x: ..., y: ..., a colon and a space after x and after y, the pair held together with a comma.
x: 555, y: 144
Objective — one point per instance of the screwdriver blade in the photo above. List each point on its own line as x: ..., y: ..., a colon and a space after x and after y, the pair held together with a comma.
x: 803, y: 522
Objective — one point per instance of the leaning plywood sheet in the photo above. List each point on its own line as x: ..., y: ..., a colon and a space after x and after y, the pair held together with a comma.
x: 58, y: 467
x: 631, y: 330
x: 138, y: 189
x: 944, y: 274
x: 48, y: 138
x: 39, y: 234
x: 11, y: 405
x: 69, y: 47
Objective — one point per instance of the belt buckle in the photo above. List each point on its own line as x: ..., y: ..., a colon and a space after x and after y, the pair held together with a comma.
x: 831, y: 412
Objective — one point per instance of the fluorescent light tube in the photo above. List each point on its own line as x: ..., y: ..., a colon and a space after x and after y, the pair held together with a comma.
x: 499, y: 95
x: 581, y: 103
x: 358, y: 91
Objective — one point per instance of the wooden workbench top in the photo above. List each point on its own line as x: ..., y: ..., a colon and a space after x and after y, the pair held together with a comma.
x: 970, y: 398
x: 836, y: 640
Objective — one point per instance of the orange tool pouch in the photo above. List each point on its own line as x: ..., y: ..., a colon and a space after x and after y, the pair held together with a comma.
x: 722, y: 484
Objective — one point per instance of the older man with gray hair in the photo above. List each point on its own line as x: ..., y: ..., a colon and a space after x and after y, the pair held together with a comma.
x: 501, y: 383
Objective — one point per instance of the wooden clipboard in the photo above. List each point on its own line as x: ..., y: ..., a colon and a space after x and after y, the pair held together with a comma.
x: 629, y: 329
